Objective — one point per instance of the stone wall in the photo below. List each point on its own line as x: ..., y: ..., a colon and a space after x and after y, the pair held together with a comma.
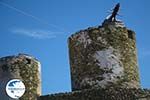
x: 103, y: 56
x: 101, y: 94
x: 103, y: 65
x: 25, y: 68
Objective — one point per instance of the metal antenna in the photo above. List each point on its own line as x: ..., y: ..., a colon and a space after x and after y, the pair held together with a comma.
x: 114, y: 13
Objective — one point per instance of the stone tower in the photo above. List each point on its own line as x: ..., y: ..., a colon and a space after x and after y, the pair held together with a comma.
x: 104, y: 56
x: 25, y: 68
x: 103, y: 63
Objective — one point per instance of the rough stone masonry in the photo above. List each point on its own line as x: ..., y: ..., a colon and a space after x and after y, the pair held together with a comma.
x: 104, y: 56
x: 22, y: 67
x: 103, y: 65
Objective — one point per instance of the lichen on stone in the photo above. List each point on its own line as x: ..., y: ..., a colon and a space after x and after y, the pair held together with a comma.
x: 101, y: 94
x: 25, y: 68
x: 108, y: 59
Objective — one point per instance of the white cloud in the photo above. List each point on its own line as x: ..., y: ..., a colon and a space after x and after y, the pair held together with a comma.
x: 36, y: 33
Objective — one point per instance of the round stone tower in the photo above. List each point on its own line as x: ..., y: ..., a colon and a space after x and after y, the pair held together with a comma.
x: 104, y: 56
x: 25, y: 68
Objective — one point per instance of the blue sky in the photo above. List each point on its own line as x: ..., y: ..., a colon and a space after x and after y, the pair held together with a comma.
x: 41, y: 28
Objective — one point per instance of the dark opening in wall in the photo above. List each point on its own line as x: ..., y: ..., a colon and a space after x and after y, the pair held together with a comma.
x: 5, y: 67
x: 28, y: 61
x: 131, y: 34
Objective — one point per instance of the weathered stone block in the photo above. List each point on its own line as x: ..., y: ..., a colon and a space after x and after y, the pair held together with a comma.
x: 25, y: 68
x: 102, y: 57
x: 101, y: 94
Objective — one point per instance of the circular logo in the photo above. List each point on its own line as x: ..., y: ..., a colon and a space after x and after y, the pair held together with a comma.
x: 15, y: 88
